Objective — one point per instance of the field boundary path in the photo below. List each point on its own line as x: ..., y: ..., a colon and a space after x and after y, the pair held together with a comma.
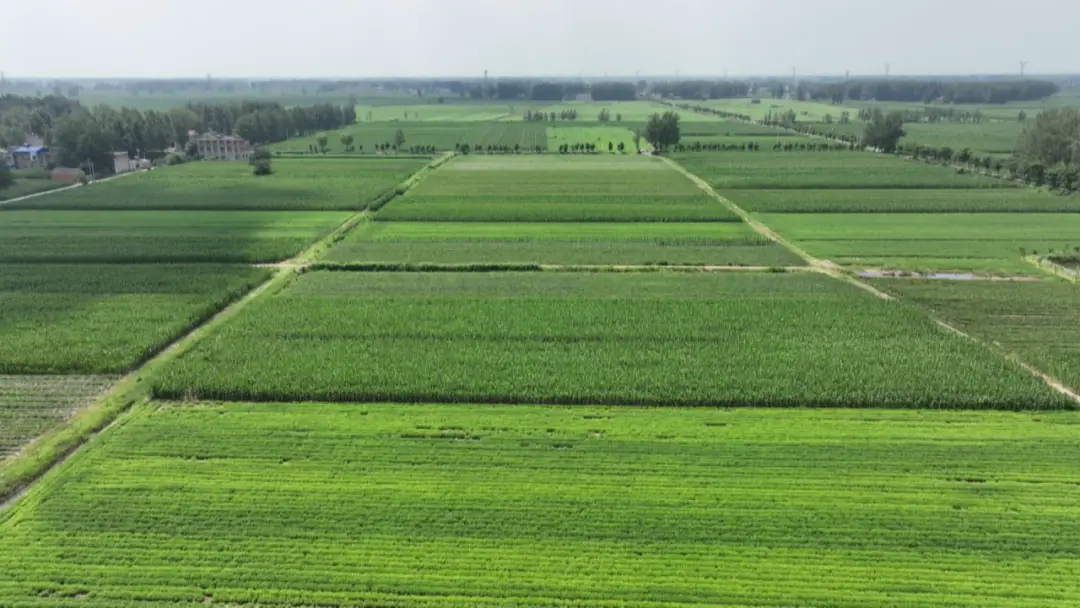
x: 71, y: 187
x: 828, y: 268
x: 19, y: 473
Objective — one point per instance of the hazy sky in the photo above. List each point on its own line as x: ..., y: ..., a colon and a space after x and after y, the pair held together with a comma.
x: 357, y: 38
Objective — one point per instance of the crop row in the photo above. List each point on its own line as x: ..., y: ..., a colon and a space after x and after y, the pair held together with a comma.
x: 143, y: 237
x: 29, y: 405
x: 299, y: 505
x: 105, y: 319
x: 661, y: 339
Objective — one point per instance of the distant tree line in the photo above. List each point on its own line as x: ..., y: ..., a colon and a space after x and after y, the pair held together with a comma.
x: 537, y: 116
x: 260, y: 122
x: 925, y: 91
x: 702, y: 89
x: 21, y: 117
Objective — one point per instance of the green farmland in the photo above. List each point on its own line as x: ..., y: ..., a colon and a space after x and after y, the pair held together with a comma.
x: 506, y: 378
x: 572, y: 338
x: 436, y: 505
x: 601, y: 188
x: 316, y: 184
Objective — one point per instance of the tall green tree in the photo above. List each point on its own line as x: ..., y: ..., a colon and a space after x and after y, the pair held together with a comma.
x: 884, y: 131
x: 1053, y: 138
x: 6, y: 178
x: 662, y: 130
x: 399, y: 138
x: 323, y: 142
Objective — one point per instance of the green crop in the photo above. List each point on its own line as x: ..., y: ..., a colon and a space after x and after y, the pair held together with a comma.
x: 903, y: 200
x: 658, y: 339
x: 592, y: 243
x: 983, y: 242
x: 833, y: 169
x: 556, y: 189
x: 296, y: 185
x: 144, y: 237
x: 105, y: 319
x: 1039, y: 321
x: 466, y: 506
x: 30, y: 405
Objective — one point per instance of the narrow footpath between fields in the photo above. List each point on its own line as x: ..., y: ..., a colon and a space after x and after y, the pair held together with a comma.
x: 830, y: 269
x: 19, y: 474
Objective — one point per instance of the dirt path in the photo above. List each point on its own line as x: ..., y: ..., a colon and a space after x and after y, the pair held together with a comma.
x: 834, y: 271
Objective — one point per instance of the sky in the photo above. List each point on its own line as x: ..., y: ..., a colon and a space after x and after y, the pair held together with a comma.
x: 434, y: 38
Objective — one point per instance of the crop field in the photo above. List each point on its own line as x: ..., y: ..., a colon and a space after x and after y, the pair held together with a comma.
x: 464, y: 506
x: 824, y: 170
x: 89, y: 319
x: 434, y: 112
x: 144, y: 237
x: 444, y: 136
x: 30, y: 405
x: 605, y: 187
x: 763, y: 339
x: 731, y: 128
x: 1039, y: 321
x: 904, y: 200
x: 805, y: 111
x: 634, y: 113
x: 296, y: 185
x: 984, y: 138
x: 980, y: 242
x: 590, y: 243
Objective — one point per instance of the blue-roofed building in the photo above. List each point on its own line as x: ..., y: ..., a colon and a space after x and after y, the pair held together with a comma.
x: 31, y: 157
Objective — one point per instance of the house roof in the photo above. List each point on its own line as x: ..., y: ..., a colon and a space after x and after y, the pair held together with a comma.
x: 31, y: 150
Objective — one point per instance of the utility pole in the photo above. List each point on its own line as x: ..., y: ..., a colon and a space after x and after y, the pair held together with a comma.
x: 1023, y: 68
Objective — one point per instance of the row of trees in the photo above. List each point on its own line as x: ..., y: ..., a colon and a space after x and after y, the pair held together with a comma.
x: 925, y: 91
x: 605, y: 116
x: 702, y: 89
x: 493, y: 149
x: 537, y: 116
x: 21, y: 117
x: 1048, y: 153
x: 262, y: 123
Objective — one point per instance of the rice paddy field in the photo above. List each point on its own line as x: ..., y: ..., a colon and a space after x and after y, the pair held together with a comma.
x: 595, y: 188
x: 316, y: 184
x: 485, y: 386
x: 436, y: 505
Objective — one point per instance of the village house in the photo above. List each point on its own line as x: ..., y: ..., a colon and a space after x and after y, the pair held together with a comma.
x: 213, y: 146
x: 31, y: 157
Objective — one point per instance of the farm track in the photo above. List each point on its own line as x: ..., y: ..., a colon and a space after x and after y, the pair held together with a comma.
x: 20, y: 475
x: 71, y: 187
x: 834, y: 271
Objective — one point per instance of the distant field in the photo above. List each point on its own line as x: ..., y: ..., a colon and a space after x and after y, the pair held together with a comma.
x: 1038, y: 321
x: 296, y: 185
x: 466, y: 506
x: 434, y: 112
x: 596, y: 243
x: 805, y: 111
x: 731, y: 128
x: 727, y: 339
x: 983, y: 138
x: 634, y: 113
x: 144, y: 237
x: 31, y: 405
x: 833, y: 169
x: 602, y: 187
x: 903, y: 200
x: 444, y: 136
x: 982, y: 242
x: 106, y: 319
